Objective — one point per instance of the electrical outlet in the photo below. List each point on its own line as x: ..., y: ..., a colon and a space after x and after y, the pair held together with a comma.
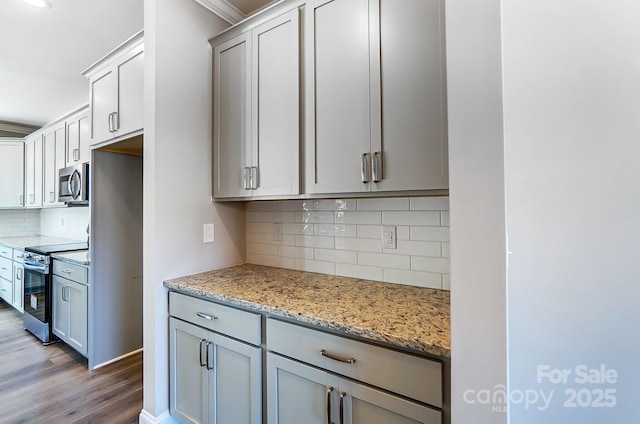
x: 389, y: 237
x: 208, y: 233
x: 277, y: 232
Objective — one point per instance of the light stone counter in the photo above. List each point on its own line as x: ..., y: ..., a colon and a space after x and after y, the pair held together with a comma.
x: 28, y: 241
x: 80, y: 257
x: 410, y: 317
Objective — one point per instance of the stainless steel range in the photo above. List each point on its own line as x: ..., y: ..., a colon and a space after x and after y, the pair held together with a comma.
x: 37, y: 288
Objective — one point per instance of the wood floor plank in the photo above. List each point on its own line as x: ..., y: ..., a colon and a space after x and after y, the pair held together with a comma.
x: 51, y: 384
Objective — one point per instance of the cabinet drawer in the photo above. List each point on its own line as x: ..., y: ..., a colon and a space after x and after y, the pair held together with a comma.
x: 6, y: 268
x: 18, y: 255
x: 233, y: 322
x: 6, y: 252
x: 73, y: 272
x: 412, y: 376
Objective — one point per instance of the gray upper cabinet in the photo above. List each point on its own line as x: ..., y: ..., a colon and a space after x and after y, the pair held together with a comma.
x: 256, y: 111
x: 116, y: 95
x: 375, y: 96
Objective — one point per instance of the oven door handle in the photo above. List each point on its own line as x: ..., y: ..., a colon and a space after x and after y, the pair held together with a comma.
x: 42, y: 269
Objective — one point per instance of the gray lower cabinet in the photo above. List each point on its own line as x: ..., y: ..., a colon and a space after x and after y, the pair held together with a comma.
x: 214, y: 378
x: 70, y: 305
x: 315, y: 377
x: 299, y: 393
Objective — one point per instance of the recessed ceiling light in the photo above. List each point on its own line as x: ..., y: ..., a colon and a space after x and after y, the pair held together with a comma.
x: 43, y: 4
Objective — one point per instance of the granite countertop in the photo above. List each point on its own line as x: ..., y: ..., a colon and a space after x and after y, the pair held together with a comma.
x: 27, y: 241
x: 80, y: 257
x: 410, y: 317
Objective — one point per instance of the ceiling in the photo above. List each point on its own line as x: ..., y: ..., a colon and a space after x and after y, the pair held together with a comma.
x: 44, y: 51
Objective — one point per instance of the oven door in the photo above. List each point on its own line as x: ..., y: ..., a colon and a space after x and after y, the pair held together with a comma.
x: 37, y: 296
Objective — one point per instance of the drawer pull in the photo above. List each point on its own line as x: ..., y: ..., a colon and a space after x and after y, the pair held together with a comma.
x: 206, y: 316
x: 337, y: 358
x: 329, y: 391
x: 209, y: 364
x: 66, y: 270
x: 342, y: 395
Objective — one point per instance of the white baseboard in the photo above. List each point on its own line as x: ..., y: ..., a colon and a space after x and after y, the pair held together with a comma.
x: 116, y: 359
x: 164, y: 418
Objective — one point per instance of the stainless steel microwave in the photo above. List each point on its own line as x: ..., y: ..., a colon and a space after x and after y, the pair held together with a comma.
x: 73, y: 185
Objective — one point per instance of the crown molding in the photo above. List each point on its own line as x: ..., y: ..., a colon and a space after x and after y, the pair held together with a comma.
x: 223, y: 9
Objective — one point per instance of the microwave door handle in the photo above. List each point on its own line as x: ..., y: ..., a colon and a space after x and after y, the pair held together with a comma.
x: 76, y: 177
x: 69, y: 184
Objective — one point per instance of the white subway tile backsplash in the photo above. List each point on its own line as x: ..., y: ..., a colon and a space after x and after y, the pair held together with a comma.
x: 422, y: 279
x: 336, y: 230
x: 369, y: 231
x: 384, y: 204
x: 314, y: 217
x: 296, y: 252
x: 344, y: 237
x: 372, y: 218
x: 403, y: 232
x: 315, y: 241
x: 335, y: 205
x: 291, y: 228
x: 341, y: 256
x: 359, y: 271
x: 315, y: 266
x: 446, y: 250
x: 436, y: 203
x: 416, y: 248
x: 360, y: 245
x: 430, y: 233
x: 19, y: 222
x: 411, y: 218
x: 384, y: 260
x: 437, y: 265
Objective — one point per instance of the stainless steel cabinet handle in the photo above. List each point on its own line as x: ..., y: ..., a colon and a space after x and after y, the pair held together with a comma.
x: 66, y: 270
x: 21, y: 200
x: 337, y: 358
x: 32, y: 198
x: 206, y: 316
x: 209, y: 363
x: 342, y: 395
x: 329, y: 391
x: 116, y: 121
x: 4, y: 269
x: 19, y: 274
x: 76, y: 154
x: 111, y: 122
x: 254, y: 177
x: 202, y: 346
x: 376, y: 165
x: 245, y: 178
x: 364, y: 168
x: 52, y: 197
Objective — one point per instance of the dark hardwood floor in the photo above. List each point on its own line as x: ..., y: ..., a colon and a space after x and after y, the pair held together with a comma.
x: 51, y: 384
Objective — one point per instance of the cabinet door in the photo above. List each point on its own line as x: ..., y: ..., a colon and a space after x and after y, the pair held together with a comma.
x: 103, y: 105
x: 77, y: 299
x: 130, y: 95
x: 235, y: 382
x: 84, y: 141
x: 232, y: 117
x: 54, y: 159
x: 365, y: 405
x: 6, y: 290
x: 11, y: 174
x: 18, y: 286
x: 60, y: 321
x: 413, y: 112
x: 275, y: 101
x: 298, y: 393
x: 33, y: 172
x: 337, y: 95
x: 78, y: 140
x: 189, y: 380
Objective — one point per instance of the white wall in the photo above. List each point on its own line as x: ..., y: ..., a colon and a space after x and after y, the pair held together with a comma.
x: 65, y: 222
x: 572, y: 132
x: 177, y: 176
x: 478, y: 288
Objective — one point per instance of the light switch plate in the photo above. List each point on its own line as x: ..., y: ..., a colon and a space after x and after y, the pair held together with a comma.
x: 208, y: 230
x: 388, y: 237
